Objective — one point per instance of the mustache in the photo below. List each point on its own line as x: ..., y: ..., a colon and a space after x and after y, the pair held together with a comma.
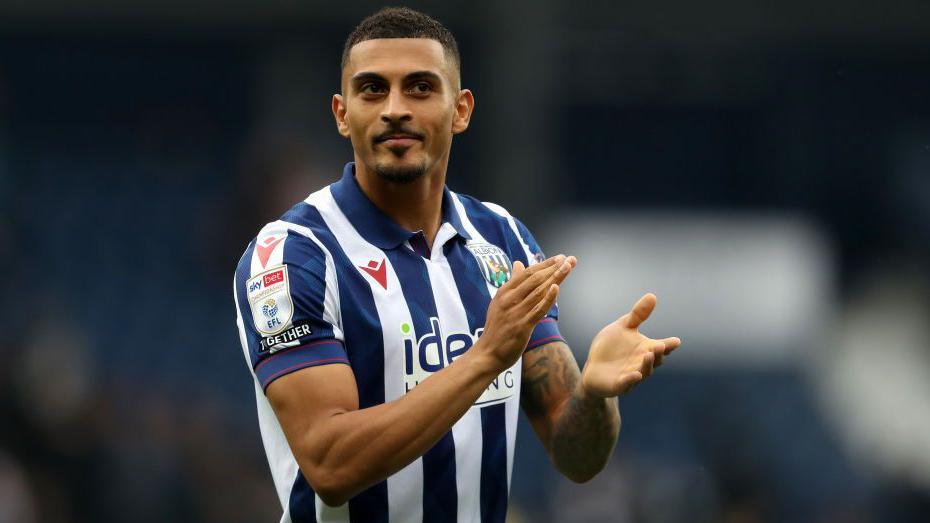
x: 398, y: 131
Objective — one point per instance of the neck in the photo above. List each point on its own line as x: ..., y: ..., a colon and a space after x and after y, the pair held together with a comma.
x: 416, y: 206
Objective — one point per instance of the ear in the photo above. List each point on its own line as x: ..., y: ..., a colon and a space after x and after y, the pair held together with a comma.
x: 464, y: 105
x: 339, y: 113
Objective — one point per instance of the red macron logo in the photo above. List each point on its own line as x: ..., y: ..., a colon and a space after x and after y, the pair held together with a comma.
x: 266, y: 247
x: 376, y: 270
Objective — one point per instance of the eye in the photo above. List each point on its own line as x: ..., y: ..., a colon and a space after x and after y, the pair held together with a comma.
x: 421, y: 88
x: 371, y: 88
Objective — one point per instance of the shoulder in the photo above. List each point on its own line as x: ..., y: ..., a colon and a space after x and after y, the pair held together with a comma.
x: 476, y: 208
x: 290, y: 240
x: 486, y: 216
x: 497, y: 225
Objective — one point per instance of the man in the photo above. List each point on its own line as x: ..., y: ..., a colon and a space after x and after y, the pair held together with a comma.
x: 393, y: 326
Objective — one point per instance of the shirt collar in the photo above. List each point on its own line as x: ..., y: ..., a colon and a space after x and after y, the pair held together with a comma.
x: 375, y: 226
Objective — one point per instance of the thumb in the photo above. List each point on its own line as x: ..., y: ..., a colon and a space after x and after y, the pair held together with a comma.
x: 640, y: 311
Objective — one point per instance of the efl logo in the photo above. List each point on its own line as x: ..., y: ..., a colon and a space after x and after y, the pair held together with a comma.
x: 274, y: 277
x: 270, y: 300
x: 434, y: 351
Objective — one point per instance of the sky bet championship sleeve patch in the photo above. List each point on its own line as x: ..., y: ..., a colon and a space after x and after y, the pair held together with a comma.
x: 270, y: 300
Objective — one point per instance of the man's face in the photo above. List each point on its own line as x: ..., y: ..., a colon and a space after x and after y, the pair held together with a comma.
x: 400, y: 106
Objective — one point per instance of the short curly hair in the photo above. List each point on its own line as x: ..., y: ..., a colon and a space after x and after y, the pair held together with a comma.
x: 402, y: 22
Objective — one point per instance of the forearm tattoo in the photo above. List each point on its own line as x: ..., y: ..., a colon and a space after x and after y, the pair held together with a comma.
x: 581, y: 431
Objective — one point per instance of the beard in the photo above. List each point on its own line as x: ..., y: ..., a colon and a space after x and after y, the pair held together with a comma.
x: 401, y: 174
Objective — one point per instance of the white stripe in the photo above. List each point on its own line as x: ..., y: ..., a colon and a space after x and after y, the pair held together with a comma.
x: 405, y: 487
x: 280, y: 459
x: 466, y: 432
x: 512, y: 409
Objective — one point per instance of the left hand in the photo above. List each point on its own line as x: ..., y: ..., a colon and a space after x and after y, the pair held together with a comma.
x: 620, y: 356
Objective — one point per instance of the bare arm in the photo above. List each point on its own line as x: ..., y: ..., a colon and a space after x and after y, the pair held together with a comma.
x: 578, y: 431
x: 342, y: 449
x: 576, y: 414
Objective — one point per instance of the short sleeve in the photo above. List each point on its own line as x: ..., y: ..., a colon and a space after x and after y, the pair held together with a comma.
x: 547, y: 330
x: 287, y: 304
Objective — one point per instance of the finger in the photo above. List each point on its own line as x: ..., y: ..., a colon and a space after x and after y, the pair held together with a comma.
x: 564, y: 270
x: 646, y: 367
x: 671, y: 344
x: 542, y: 307
x: 641, y: 310
x: 518, y: 269
x: 537, y: 275
x: 658, y: 351
x: 557, y: 277
x: 627, y: 382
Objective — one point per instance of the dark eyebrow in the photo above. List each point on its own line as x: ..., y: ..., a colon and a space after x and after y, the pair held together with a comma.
x: 423, y: 75
x: 360, y: 77
x: 416, y: 75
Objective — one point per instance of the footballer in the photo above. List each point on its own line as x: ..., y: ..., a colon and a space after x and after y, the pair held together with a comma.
x: 394, y: 328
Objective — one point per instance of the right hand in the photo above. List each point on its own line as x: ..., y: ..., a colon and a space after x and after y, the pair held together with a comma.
x: 518, y: 305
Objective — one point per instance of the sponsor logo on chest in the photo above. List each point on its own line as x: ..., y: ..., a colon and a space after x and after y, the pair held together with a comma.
x: 436, y: 350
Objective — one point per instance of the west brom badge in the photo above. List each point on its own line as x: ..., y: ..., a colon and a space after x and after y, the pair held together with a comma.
x: 493, y: 262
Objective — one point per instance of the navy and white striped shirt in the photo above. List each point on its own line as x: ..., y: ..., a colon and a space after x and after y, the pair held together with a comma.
x: 335, y: 281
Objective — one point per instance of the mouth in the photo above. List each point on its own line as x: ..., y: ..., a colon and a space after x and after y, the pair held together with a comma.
x: 399, y: 140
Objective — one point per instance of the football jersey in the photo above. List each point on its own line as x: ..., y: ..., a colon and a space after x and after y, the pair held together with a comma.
x: 335, y: 281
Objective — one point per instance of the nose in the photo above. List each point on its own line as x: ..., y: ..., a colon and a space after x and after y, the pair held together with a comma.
x: 395, y: 108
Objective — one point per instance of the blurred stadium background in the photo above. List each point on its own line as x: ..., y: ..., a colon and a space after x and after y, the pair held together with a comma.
x: 763, y: 167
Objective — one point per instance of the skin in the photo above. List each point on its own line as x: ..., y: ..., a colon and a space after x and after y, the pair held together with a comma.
x: 407, y: 88
x: 575, y: 414
x: 402, y: 86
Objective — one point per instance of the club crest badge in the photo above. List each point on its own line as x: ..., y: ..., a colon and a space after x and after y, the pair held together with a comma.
x: 493, y: 262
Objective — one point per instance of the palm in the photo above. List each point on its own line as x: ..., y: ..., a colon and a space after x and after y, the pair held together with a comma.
x: 621, y: 356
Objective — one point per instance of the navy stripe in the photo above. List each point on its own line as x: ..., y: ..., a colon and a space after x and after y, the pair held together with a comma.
x: 286, y: 361
x: 546, y: 331
x: 527, y: 237
x: 440, y: 498
x: 473, y: 292
x: 307, y: 273
x: 302, y: 503
x: 364, y: 344
x: 494, y: 463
